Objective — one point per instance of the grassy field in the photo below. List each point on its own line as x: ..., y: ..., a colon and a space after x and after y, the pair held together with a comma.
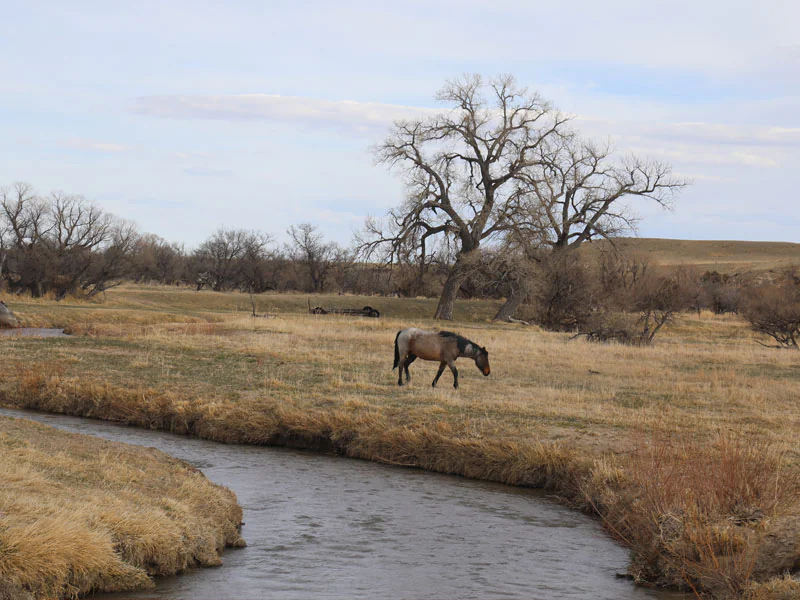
x: 688, y: 450
x: 80, y: 514
x: 725, y: 256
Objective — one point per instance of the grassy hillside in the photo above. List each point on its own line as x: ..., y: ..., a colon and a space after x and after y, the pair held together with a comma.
x: 720, y: 255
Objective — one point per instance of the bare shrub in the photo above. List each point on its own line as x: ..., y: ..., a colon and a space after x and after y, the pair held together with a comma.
x: 617, y: 272
x: 701, y: 515
x: 774, y: 310
x: 562, y: 297
x: 636, y: 313
x: 719, y: 293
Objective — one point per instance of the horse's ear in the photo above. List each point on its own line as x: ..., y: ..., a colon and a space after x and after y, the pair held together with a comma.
x: 485, y: 351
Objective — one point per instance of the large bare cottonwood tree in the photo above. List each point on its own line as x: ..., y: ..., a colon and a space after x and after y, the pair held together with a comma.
x: 580, y: 192
x: 501, y: 161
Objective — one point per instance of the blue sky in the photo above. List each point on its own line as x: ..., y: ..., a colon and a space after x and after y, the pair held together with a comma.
x: 187, y: 116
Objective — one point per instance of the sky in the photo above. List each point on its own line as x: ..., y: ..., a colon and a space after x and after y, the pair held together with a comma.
x: 186, y: 116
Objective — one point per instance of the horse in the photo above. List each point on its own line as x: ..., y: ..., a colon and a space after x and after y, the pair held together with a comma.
x: 444, y: 346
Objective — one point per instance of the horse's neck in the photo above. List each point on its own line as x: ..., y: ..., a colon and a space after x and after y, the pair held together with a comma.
x: 469, y: 351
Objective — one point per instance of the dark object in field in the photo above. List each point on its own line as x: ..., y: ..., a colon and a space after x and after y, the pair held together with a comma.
x: 7, y: 318
x: 444, y: 346
x: 367, y: 311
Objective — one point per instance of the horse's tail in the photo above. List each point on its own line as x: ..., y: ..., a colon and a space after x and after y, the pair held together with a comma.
x: 396, y: 350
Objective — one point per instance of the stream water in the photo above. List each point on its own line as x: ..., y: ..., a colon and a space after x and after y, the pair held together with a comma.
x: 330, y: 527
x: 33, y: 332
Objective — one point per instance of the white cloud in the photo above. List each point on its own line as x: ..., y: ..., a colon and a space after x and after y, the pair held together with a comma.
x: 207, y: 172
x: 355, y: 117
x: 96, y: 146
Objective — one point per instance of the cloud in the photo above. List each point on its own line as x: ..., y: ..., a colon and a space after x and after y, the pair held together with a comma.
x: 693, y: 142
x: 207, y: 172
x: 706, y: 156
x: 354, y: 117
x: 699, y: 142
x: 95, y: 146
x: 716, y: 133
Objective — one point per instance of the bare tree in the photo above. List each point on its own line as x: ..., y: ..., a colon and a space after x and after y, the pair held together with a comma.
x: 61, y: 244
x: 502, y: 160
x: 222, y: 257
x: 314, y: 254
x: 24, y: 218
x: 158, y: 260
x: 113, y: 261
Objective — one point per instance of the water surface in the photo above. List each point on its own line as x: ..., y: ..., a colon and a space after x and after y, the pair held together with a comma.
x: 33, y: 332
x: 330, y: 527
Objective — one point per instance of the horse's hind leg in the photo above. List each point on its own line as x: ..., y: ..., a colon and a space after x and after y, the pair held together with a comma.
x: 442, y: 365
x: 402, y: 365
x: 411, y: 358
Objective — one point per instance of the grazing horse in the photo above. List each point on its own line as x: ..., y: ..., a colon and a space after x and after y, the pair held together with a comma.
x: 444, y: 346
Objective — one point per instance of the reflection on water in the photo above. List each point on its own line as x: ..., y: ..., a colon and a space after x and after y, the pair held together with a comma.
x: 328, y: 527
x: 33, y: 332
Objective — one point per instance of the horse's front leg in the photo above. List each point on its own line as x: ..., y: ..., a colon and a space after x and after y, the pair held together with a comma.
x: 452, y: 365
x: 442, y: 365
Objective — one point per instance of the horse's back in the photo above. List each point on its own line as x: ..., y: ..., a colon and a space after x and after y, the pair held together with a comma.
x: 411, y: 339
x: 430, y: 345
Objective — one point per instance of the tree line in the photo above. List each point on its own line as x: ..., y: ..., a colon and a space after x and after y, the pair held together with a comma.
x: 62, y: 244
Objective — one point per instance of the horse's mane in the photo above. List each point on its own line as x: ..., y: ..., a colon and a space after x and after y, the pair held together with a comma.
x: 461, y: 341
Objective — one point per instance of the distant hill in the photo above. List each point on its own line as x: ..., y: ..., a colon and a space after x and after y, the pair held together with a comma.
x: 724, y: 256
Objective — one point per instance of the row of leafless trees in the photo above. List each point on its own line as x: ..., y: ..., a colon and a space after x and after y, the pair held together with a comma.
x: 63, y: 244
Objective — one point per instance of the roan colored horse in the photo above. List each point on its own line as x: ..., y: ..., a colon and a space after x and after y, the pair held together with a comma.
x: 444, y: 346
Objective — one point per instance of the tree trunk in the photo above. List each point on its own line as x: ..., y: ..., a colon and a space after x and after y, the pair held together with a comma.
x: 511, y: 305
x: 457, y: 275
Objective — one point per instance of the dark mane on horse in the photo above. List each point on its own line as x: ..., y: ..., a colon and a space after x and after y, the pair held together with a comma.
x: 460, y: 340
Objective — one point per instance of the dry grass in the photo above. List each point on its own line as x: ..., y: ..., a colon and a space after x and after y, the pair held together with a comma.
x: 567, y: 415
x: 79, y: 514
x: 725, y: 256
x: 716, y: 515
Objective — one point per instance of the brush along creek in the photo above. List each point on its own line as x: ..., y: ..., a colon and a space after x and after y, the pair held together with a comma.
x: 331, y: 527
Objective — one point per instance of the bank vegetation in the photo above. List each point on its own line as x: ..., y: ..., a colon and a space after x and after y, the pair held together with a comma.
x: 79, y: 514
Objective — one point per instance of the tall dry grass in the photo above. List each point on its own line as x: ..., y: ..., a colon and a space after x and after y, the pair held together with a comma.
x: 714, y: 515
x: 79, y: 514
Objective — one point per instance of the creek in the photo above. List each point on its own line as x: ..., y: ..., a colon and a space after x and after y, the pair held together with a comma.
x: 330, y: 527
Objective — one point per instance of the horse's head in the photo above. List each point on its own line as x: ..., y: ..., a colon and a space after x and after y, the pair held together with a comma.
x: 482, y: 361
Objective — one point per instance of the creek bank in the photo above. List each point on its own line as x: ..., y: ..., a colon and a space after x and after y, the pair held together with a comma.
x: 328, y: 527
x: 81, y: 514
x: 601, y: 487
